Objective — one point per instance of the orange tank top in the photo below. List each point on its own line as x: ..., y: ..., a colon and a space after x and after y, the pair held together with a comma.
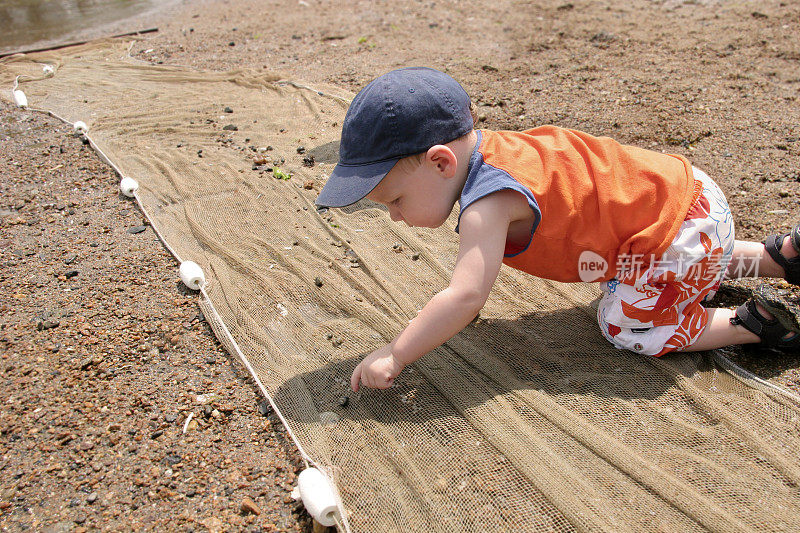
x: 599, y: 201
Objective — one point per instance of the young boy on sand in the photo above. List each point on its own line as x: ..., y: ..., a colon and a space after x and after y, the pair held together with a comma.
x: 559, y: 204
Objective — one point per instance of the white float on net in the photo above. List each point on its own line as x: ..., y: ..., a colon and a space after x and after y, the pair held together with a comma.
x: 20, y: 99
x: 192, y: 275
x: 316, y: 492
x: 128, y: 186
x: 80, y: 127
x: 48, y: 70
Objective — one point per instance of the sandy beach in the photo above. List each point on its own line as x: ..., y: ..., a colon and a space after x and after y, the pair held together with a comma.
x: 105, y: 355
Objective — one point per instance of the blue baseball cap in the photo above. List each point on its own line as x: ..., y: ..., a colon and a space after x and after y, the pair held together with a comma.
x: 402, y: 113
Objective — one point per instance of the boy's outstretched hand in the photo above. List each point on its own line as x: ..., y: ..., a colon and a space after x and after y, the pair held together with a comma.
x: 377, y: 370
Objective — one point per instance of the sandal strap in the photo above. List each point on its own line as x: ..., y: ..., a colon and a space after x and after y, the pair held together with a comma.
x: 771, y: 331
x: 773, y: 245
x: 747, y: 316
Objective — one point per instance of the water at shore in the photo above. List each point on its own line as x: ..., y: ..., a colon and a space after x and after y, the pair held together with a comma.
x: 33, y: 23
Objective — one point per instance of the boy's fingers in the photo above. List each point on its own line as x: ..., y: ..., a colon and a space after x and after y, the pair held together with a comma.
x: 355, y: 379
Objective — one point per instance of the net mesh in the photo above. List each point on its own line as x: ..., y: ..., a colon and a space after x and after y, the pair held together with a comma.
x: 526, y: 420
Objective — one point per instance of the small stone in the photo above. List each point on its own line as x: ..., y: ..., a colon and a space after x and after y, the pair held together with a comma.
x: 249, y: 506
x: 172, y: 460
x: 230, y: 127
x: 301, y: 149
x: 336, y: 343
x: 228, y: 110
x: 47, y: 324
x: 136, y: 229
x: 80, y: 518
x: 59, y: 527
x: 264, y: 408
x: 328, y: 418
x: 318, y: 281
x: 71, y: 258
x: 156, y: 434
x: 308, y: 184
x: 91, y: 498
x: 171, y: 417
x: 329, y: 336
x: 415, y: 257
x: 343, y: 401
x: 226, y: 408
x: 783, y: 194
x: 69, y: 274
x: 603, y: 37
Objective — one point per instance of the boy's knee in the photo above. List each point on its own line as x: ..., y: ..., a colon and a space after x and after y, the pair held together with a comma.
x: 646, y: 341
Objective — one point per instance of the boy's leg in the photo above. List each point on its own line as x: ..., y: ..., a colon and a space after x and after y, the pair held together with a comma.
x: 720, y: 332
x: 766, y: 318
x: 750, y: 259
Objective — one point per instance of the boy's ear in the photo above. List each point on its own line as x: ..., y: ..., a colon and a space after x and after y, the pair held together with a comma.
x: 443, y: 158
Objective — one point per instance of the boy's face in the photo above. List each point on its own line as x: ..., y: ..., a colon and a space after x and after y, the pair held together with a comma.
x: 416, y: 193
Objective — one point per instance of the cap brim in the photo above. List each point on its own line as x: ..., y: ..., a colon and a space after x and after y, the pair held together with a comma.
x: 348, y: 184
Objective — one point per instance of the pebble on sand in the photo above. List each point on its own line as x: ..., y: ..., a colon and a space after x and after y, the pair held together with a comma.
x: 249, y: 506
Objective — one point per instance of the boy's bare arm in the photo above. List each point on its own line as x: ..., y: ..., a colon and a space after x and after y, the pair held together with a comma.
x: 483, y: 230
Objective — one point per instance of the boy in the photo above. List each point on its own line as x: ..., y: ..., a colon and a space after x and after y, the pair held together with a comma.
x: 559, y: 204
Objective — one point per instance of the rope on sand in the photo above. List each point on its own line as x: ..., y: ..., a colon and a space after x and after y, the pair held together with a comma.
x: 750, y: 379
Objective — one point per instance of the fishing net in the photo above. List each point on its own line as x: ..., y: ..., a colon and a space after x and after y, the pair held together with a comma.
x: 528, y: 420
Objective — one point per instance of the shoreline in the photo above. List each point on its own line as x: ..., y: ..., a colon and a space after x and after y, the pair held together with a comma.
x: 145, y: 20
